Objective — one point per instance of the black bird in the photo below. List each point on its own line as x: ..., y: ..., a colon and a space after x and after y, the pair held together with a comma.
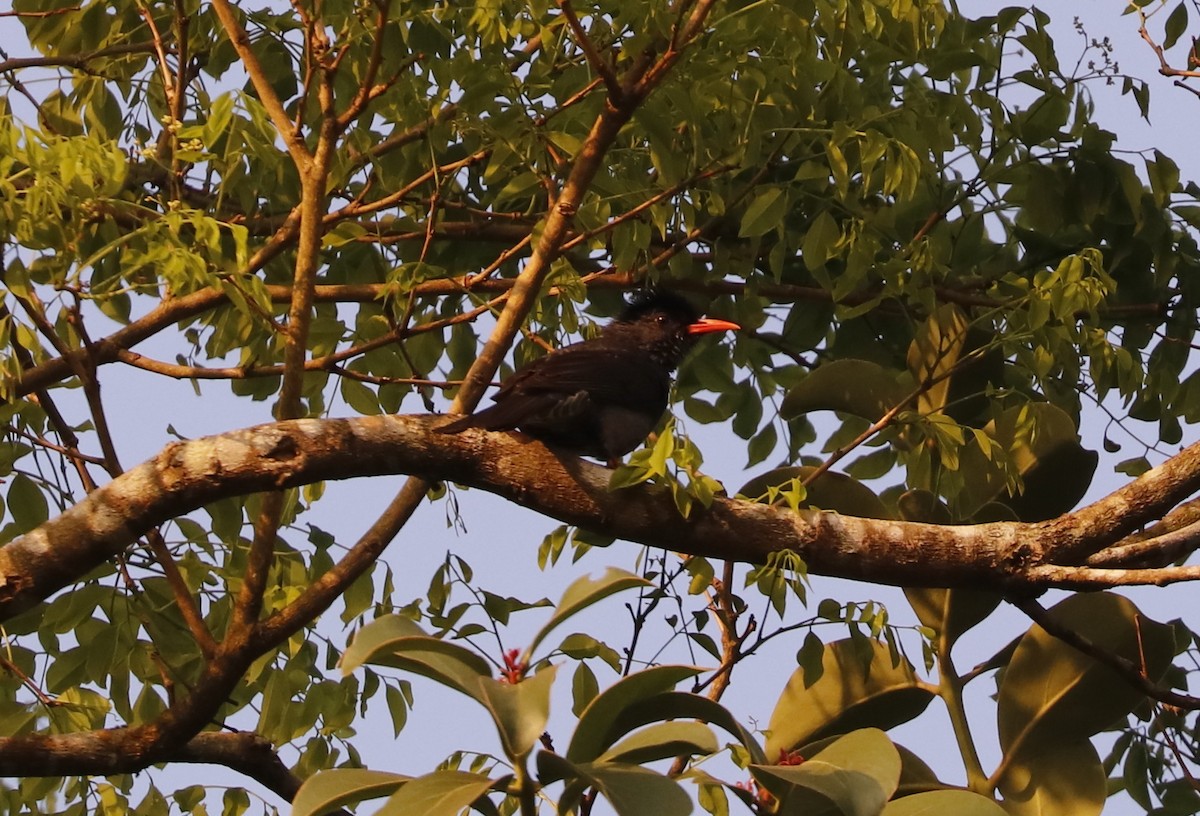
x: 601, y: 397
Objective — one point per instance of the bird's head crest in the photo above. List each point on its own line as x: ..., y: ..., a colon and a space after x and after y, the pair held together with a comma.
x: 659, y: 300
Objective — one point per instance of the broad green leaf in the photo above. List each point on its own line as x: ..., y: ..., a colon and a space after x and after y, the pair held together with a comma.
x: 636, y: 791
x: 631, y: 789
x: 16, y: 719
x: 584, y: 592
x: 519, y: 710
x: 981, y: 370
x: 679, y: 705
x: 935, y: 350
x: 359, y: 397
x: 859, y: 387
x: 830, y: 491
x: 1060, y: 778
x: 868, y: 751
x: 850, y: 694
x: 579, y: 646
x: 662, y: 741
x: 1042, y: 444
x: 856, y: 773
x: 397, y: 707
x: 943, y: 803
x: 923, y: 506
x: 396, y: 641
x: 1164, y: 176
x: 951, y: 612
x: 326, y: 791
x: 596, y: 730
x: 1175, y: 26
x: 26, y: 503
x: 764, y: 213
x: 820, y: 242
x: 584, y: 688
x: 1051, y: 692
x: 915, y: 775
x: 441, y: 793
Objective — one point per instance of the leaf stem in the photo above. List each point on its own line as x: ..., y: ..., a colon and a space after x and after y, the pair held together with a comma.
x: 950, y: 690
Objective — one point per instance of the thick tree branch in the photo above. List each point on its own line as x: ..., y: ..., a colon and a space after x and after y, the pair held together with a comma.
x: 103, y: 753
x: 185, y: 476
x: 1172, y: 539
x: 245, y: 752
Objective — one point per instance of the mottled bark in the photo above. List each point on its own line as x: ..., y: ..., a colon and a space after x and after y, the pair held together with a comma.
x: 187, y: 475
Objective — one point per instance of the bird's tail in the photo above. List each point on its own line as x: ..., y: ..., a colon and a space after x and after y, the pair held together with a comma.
x: 457, y: 425
x: 502, y: 416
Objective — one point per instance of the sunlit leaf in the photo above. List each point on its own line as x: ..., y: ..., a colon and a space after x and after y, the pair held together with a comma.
x: 859, y: 687
x: 327, y: 791
x: 584, y: 592
x: 859, y: 387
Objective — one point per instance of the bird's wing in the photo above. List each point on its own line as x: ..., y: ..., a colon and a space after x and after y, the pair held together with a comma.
x: 616, y: 376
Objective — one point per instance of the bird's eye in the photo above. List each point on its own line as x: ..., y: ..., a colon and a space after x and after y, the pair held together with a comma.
x: 660, y: 319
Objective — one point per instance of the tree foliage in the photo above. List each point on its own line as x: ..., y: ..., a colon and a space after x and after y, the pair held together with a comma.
x: 945, y: 271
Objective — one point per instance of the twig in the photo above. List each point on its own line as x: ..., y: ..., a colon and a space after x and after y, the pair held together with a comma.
x: 615, y: 91
x: 1130, y: 672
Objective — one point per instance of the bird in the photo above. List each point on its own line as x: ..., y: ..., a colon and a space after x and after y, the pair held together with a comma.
x: 601, y: 397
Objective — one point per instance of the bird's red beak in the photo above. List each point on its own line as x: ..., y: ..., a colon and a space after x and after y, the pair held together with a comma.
x: 707, y: 325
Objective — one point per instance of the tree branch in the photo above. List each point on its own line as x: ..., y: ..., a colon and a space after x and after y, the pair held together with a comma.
x: 1007, y: 556
x: 97, y: 752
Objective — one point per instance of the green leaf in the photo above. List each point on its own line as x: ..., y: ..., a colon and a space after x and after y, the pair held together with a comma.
x: 581, y: 646
x: 584, y: 592
x: 820, y: 242
x: 631, y: 789
x: 829, y: 491
x: 1189, y: 213
x: 663, y: 741
x: 943, y: 803
x: 764, y: 213
x: 859, y: 387
x: 441, y: 793
x: 857, y: 774
x: 1175, y: 26
x: 951, y: 612
x: 584, y: 688
x: 1164, y: 176
x: 1135, y: 776
x: 923, y: 506
x: 27, y: 503
x: 915, y: 775
x: 397, y: 707
x: 1051, y: 692
x: 519, y: 710
x: 1133, y: 467
x: 1042, y: 446
x: 935, y: 350
x: 1059, y: 778
x: 326, y: 791
x: 679, y: 705
x: 852, y: 692
x: 396, y: 641
x: 636, y: 791
x: 599, y: 726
